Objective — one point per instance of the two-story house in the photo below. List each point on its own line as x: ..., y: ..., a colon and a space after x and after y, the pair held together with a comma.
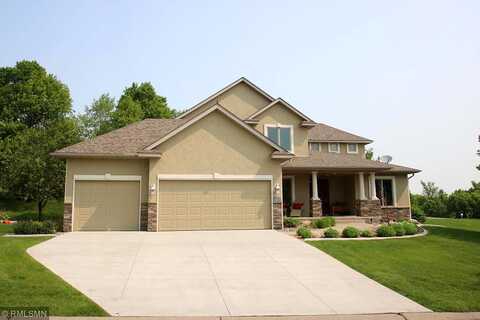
x: 240, y: 159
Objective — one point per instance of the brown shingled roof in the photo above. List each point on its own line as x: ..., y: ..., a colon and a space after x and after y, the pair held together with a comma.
x: 322, y: 160
x: 322, y: 132
x: 126, y: 141
x: 401, y: 169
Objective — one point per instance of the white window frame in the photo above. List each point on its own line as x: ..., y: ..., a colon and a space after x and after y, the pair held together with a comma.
x: 394, y: 189
x: 352, y: 144
x: 330, y: 147
x: 317, y: 143
x: 107, y: 177
x: 265, y: 132
x: 217, y: 177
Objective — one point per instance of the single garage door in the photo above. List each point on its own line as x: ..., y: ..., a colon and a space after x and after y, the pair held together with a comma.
x: 214, y: 205
x: 106, y: 205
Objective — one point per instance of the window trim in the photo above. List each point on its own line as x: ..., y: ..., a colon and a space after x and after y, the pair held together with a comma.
x: 356, y: 148
x: 312, y: 143
x: 330, y: 147
x: 277, y: 125
x: 394, y: 189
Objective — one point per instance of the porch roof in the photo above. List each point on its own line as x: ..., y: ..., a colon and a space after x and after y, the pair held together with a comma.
x: 342, y: 162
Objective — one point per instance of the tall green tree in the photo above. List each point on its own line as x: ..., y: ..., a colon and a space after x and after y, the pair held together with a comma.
x: 152, y: 104
x: 97, y: 118
x: 35, y: 119
x: 128, y: 111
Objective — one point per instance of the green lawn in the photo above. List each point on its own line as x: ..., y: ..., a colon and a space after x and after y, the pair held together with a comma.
x: 440, y: 271
x: 25, y: 282
x: 6, y: 228
x: 466, y: 224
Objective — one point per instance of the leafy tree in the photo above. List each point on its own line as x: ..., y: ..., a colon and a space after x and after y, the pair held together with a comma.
x: 128, y: 111
x: 369, y: 153
x: 152, y: 105
x: 35, y: 110
x: 97, y: 118
x: 430, y: 190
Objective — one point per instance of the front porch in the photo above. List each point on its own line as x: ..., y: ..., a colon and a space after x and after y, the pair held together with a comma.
x: 312, y: 194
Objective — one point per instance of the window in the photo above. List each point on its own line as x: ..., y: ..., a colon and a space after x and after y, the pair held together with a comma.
x: 352, y: 148
x: 281, y: 134
x: 315, y: 147
x: 385, y: 188
x: 334, y: 147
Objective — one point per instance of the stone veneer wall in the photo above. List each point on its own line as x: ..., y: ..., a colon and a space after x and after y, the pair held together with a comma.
x: 67, y: 217
x: 152, y: 217
x: 397, y: 214
x: 316, y: 208
x: 144, y: 217
x: 368, y: 208
x: 277, y: 213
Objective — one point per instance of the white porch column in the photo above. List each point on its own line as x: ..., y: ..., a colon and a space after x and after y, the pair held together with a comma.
x: 361, y: 184
x: 373, y: 190
x: 314, y: 186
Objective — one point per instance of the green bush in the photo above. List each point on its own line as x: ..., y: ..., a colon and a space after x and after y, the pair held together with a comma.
x: 386, y: 230
x: 34, y: 227
x: 350, y: 232
x: 331, y: 233
x: 410, y: 228
x: 303, y: 232
x: 324, y: 222
x: 366, y: 234
x: 419, y: 216
x: 399, y: 230
x: 291, y: 222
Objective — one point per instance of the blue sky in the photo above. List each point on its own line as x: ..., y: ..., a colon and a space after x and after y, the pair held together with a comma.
x: 403, y: 73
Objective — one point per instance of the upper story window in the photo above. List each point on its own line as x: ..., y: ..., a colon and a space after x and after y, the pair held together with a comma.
x: 315, y: 147
x: 281, y: 134
x: 352, y: 148
x: 334, y: 147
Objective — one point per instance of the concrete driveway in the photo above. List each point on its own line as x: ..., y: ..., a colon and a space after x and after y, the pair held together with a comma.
x: 259, y: 272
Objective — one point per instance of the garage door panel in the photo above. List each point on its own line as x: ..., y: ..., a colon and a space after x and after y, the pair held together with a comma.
x: 106, y: 205
x: 212, y: 205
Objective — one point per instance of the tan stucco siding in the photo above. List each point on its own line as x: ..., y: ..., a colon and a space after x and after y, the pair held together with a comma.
x: 92, y: 166
x: 241, y: 100
x: 279, y: 114
x: 215, y: 144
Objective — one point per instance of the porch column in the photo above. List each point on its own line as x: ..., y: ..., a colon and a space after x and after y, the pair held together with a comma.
x: 361, y: 184
x: 373, y: 190
x: 314, y: 186
x: 315, y: 202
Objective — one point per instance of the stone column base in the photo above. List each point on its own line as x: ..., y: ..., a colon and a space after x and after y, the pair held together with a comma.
x: 144, y: 217
x: 316, y: 208
x: 277, y: 216
x: 67, y: 217
x: 152, y: 217
x: 368, y: 208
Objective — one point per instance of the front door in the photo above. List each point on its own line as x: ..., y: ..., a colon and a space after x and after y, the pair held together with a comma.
x: 324, y: 195
x: 287, y: 188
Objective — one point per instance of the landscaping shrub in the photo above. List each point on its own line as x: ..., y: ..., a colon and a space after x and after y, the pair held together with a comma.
x: 366, y: 234
x: 331, y: 233
x: 410, y: 228
x: 419, y: 216
x: 303, y: 232
x: 399, y: 230
x: 324, y: 222
x: 291, y: 222
x: 386, y: 230
x: 350, y: 232
x: 34, y: 227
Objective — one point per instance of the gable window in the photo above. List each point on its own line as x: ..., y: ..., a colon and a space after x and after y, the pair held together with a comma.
x: 315, y: 147
x: 280, y: 134
x: 352, y: 148
x: 334, y: 147
x: 385, y: 187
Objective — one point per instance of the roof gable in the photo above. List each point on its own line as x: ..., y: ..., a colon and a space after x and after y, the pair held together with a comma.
x: 286, y: 105
x: 222, y: 91
x: 218, y: 108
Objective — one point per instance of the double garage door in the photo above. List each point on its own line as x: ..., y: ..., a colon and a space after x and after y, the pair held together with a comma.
x: 182, y: 205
